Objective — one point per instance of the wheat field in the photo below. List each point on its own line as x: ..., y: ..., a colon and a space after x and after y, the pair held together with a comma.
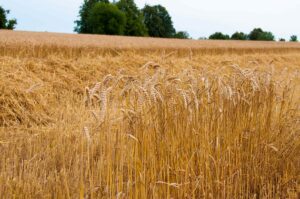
x: 85, y: 116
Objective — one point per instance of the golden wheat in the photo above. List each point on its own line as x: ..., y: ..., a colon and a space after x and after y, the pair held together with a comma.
x: 81, y: 118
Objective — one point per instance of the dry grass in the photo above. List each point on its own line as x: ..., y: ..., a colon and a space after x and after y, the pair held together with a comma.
x: 154, y: 123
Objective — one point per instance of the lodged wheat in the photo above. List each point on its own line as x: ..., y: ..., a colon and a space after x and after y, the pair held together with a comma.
x: 86, y: 116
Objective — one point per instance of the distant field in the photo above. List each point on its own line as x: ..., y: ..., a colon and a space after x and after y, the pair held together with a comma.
x: 121, y: 42
x: 84, y: 116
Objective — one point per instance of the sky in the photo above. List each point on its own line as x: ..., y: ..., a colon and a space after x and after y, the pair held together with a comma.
x: 199, y: 18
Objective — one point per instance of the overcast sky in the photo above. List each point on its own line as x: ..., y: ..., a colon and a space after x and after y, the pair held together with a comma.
x: 199, y: 18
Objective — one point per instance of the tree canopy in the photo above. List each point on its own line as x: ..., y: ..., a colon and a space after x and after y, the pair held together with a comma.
x: 158, y: 21
x: 106, y: 18
x: 153, y: 21
x: 259, y: 35
x: 219, y: 36
x: 294, y: 38
x: 134, y: 18
x: 4, y: 22
x: 182, y: 35
x: 123, y: 17
x: 239, y: 36
x: 82, y: 24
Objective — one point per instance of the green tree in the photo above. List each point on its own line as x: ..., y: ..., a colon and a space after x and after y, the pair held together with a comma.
x: 294, y: 38
x: 134, y: 18
x: 182, y: 35
x: 259, y: 35
x: 4, y: 22
x: 282, y: 40
x: 82, y: 24
x: 3, y: 19
x: 219, y: 36
x: 267, y: 36
x: 158, y: 21
x: 239, y: 36
x: 106, y: 18
x: 255, y: 34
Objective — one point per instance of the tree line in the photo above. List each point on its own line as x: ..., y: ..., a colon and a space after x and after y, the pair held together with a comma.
x: 125, y: 18
x: 257, y: 34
